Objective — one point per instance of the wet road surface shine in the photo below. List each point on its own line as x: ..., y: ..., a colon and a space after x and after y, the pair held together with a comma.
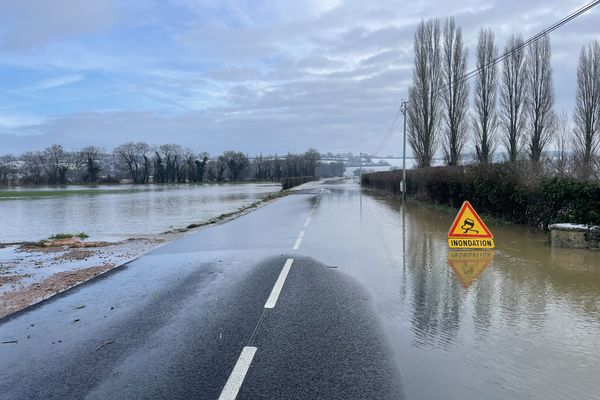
x: 321, y: 295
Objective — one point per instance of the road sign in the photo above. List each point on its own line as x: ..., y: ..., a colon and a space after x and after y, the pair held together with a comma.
x: 469, y: 264
x: 468, y: 231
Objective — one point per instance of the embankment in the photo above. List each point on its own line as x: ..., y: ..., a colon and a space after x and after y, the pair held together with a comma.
x: 510, y: 192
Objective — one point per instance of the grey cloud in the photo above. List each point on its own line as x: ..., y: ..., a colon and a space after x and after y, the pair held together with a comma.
x: 284, y: 117
x: 320, y: 62
x: 333, y: 82
x: 235, y: 74
x: 361, y: 40
x: 387, y: 57
x: 27, y: 24
x: 56, y: 82
x: 199, y: 131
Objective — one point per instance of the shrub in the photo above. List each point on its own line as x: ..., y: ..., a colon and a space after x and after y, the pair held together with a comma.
x: 60, y: 236
x: 508, y: 191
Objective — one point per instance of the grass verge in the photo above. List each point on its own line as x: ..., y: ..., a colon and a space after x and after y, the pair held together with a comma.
x: 60, y: 236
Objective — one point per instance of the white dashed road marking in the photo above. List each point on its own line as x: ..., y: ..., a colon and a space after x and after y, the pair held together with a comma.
x: 298, y: 241
x: 272, y: 300
x: 234, y: 383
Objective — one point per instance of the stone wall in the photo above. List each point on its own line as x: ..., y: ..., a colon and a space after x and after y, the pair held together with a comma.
x: 575, y: 236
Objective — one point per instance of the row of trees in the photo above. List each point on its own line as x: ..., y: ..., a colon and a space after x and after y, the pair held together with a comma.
x: 142, y: 163
x: 513, y: 107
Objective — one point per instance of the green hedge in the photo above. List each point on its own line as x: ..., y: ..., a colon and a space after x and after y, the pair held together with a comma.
x: 506, y: 191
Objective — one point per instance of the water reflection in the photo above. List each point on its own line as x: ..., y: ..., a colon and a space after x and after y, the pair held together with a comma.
x: 469, y: 264
x: 522, y: 321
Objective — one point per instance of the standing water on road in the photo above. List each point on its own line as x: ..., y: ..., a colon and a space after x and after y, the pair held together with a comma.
x: 116, y: 212
x: 522, y: 322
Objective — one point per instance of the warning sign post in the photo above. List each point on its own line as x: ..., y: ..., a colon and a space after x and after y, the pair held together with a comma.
x: 468, y: 230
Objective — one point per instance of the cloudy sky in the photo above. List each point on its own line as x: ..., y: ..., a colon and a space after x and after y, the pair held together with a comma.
x: 266, y: 76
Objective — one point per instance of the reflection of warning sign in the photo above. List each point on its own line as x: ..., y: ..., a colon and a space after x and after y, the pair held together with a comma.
x: 468, y: 231
x: 469, y: 264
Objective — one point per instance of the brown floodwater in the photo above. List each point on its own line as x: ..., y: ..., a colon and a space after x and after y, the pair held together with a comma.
x: 518, y: 322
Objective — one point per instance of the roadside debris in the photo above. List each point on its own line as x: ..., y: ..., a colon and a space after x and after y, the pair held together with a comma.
x: 14, y: 301
x: 105, y: 344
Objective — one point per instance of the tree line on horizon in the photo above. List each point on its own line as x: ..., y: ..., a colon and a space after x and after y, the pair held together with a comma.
x: 512, y: 105
x: 141, y: 163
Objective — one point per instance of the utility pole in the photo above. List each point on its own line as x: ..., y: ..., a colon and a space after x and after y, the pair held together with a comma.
x: 360, y: 168
x: 360, y: 183
x: 403, y: 109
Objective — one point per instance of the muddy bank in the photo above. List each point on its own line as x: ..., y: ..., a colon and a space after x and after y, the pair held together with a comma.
x: 14, y: 301
x: 30, y: 273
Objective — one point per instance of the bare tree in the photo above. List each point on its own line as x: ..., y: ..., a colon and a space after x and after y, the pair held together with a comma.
x: 136, y: 158
x: 486, y: 90
x: 455, y: 91
x: 172, y: 157
x: 587, y: 108
x: 57, y: 164
x: 236, y: 162
x: 200, y: 164
x: 563, y: 141
x: 189, y: 171
x: 513, y: 96
x: 33, y: 168
x: 541, y: 98
x: 8, y: 169
x: 215, y: 169
x: 424, y: 111
x: 90, y: 158
x: 311, y: 160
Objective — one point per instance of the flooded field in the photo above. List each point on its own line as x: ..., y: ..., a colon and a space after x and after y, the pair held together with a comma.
x: 117, y: 212
x: 520, y: 322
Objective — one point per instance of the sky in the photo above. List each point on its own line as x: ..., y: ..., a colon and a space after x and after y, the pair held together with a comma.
x: 268, y: 77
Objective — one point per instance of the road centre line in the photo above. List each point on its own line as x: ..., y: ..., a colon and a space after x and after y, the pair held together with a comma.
x: 234, y: 383
x: 272, y: 300
x: 307, y: 221
x: 298, y: 241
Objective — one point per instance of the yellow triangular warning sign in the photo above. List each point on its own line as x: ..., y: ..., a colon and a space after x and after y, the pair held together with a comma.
x: 469, y: 231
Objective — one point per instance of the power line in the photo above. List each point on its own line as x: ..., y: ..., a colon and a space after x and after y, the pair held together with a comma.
x: 394, y: 125
x: 531, y: 40
x: 390, y: 131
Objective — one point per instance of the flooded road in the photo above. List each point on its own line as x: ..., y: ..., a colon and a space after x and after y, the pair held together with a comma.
x: 520, y: 322
x: 114, y: 212
x: 337, y: 296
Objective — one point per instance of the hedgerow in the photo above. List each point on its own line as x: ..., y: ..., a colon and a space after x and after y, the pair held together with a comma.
x: 507, y: 191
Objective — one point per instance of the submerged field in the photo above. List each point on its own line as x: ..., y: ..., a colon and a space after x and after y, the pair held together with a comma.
x: 21, y: 194
x: 116, y: 222
x: 115, y: 212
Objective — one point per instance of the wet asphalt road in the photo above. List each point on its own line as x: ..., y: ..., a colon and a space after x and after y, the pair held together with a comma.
x: 181, y: 321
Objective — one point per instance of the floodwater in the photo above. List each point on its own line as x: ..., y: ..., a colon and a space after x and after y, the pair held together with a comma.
x: 114, y: 212
x: 522, y: 321
x: 519, y: 322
